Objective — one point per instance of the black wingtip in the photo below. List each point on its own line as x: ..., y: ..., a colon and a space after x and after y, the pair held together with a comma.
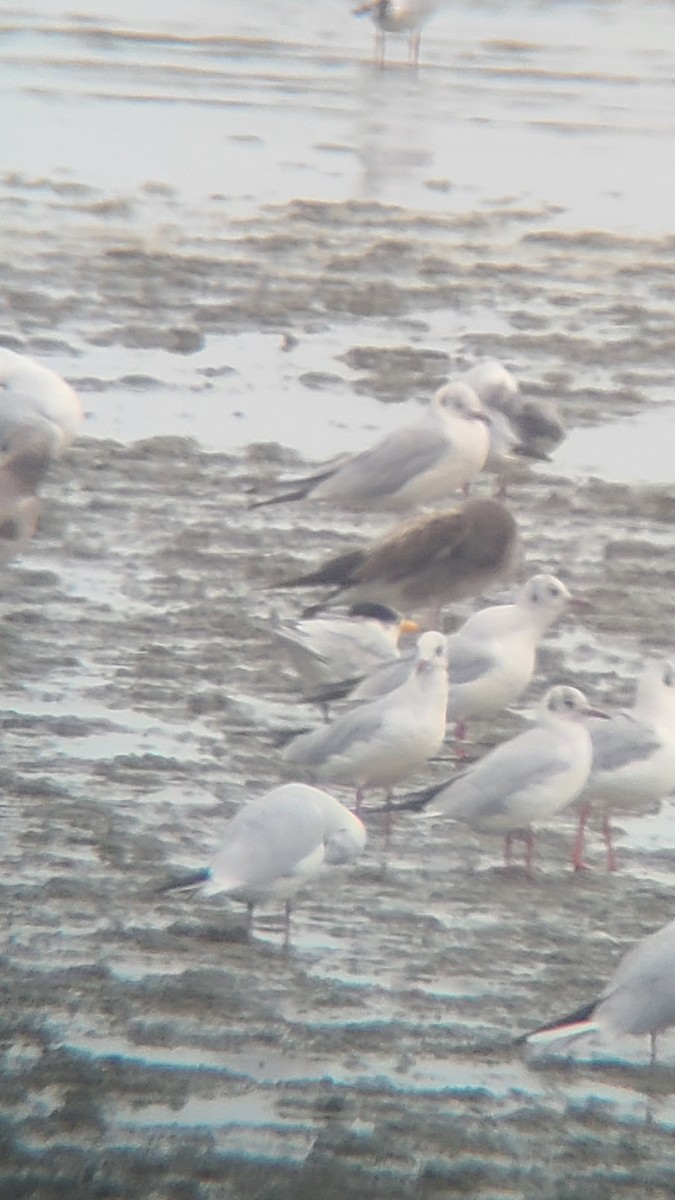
x: 574, y: 1018
x: 283, y: 499
x: 417, y: 801
x: 186, y: 883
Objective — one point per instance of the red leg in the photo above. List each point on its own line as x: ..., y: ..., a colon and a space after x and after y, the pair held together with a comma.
x: 578, y: 848
x: 460, y: 735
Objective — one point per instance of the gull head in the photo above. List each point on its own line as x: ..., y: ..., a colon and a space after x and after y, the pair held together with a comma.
x: 458, y: 399
x: 432, y: 653
x: 546, y: 596
x: 568, y: 704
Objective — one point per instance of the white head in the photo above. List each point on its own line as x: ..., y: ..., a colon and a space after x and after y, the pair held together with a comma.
x: 458, y: 399
x: 545, y: 597
x: 432, y: 653
x: 563, y: 703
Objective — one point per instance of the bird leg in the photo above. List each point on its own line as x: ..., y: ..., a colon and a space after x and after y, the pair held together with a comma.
x: 525, y: 835
x: 360, y: 793
x: 578, y: 848
x: 379, y: 48
x: 460, y: 736
x: 612, y: 860
x: 288, y: 908
x: 652, y: 1049
x: 388, y: 819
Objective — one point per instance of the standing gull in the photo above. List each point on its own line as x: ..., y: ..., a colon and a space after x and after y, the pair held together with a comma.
x: 420, y: 464
x: 275, y: 844
x: 526, y: 780
x: 492, y: 656
x: 639, y: 998
x: 397, y: 16
x: 375, y: 745
x: 443, y: 557
x: 633, y: 758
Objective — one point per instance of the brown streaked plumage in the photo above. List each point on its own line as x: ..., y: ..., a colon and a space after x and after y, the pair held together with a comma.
x: 443, y: 557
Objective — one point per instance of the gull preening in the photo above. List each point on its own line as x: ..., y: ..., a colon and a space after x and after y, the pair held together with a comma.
x: 275, y: 844
x: 376, y: 745
x: 397, y: 16
x: 525, y: 781
x: 443, y: 557
x: 35, y: 400
x: 520, y: 426
x: 419, y: 464
x: 639, y: 998
x: 329, y: 650
x: 633, y: 758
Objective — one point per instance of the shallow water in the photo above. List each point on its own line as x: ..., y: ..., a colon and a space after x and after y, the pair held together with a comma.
x: 181, y: 189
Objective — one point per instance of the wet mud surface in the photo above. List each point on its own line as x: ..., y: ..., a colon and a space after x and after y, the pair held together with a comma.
x: 150, y: 1047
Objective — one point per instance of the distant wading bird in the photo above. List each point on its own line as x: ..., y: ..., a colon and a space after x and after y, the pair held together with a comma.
x: 427, y: 563
x: 397, y: 16
x: 639, y: 998
x: 375, y: 745
x: 422, y: 463
x: 526, y: 780
x: 275, y: 844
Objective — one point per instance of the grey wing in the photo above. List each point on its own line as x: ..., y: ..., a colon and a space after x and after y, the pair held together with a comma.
x: 384, y: 679
x: 620, y: 742
x: 392, y: 463
x: 336, y: 740
x: 467, y: 662
x: 265, y: 845
x: 653, y: 956
x: 505, y: 774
